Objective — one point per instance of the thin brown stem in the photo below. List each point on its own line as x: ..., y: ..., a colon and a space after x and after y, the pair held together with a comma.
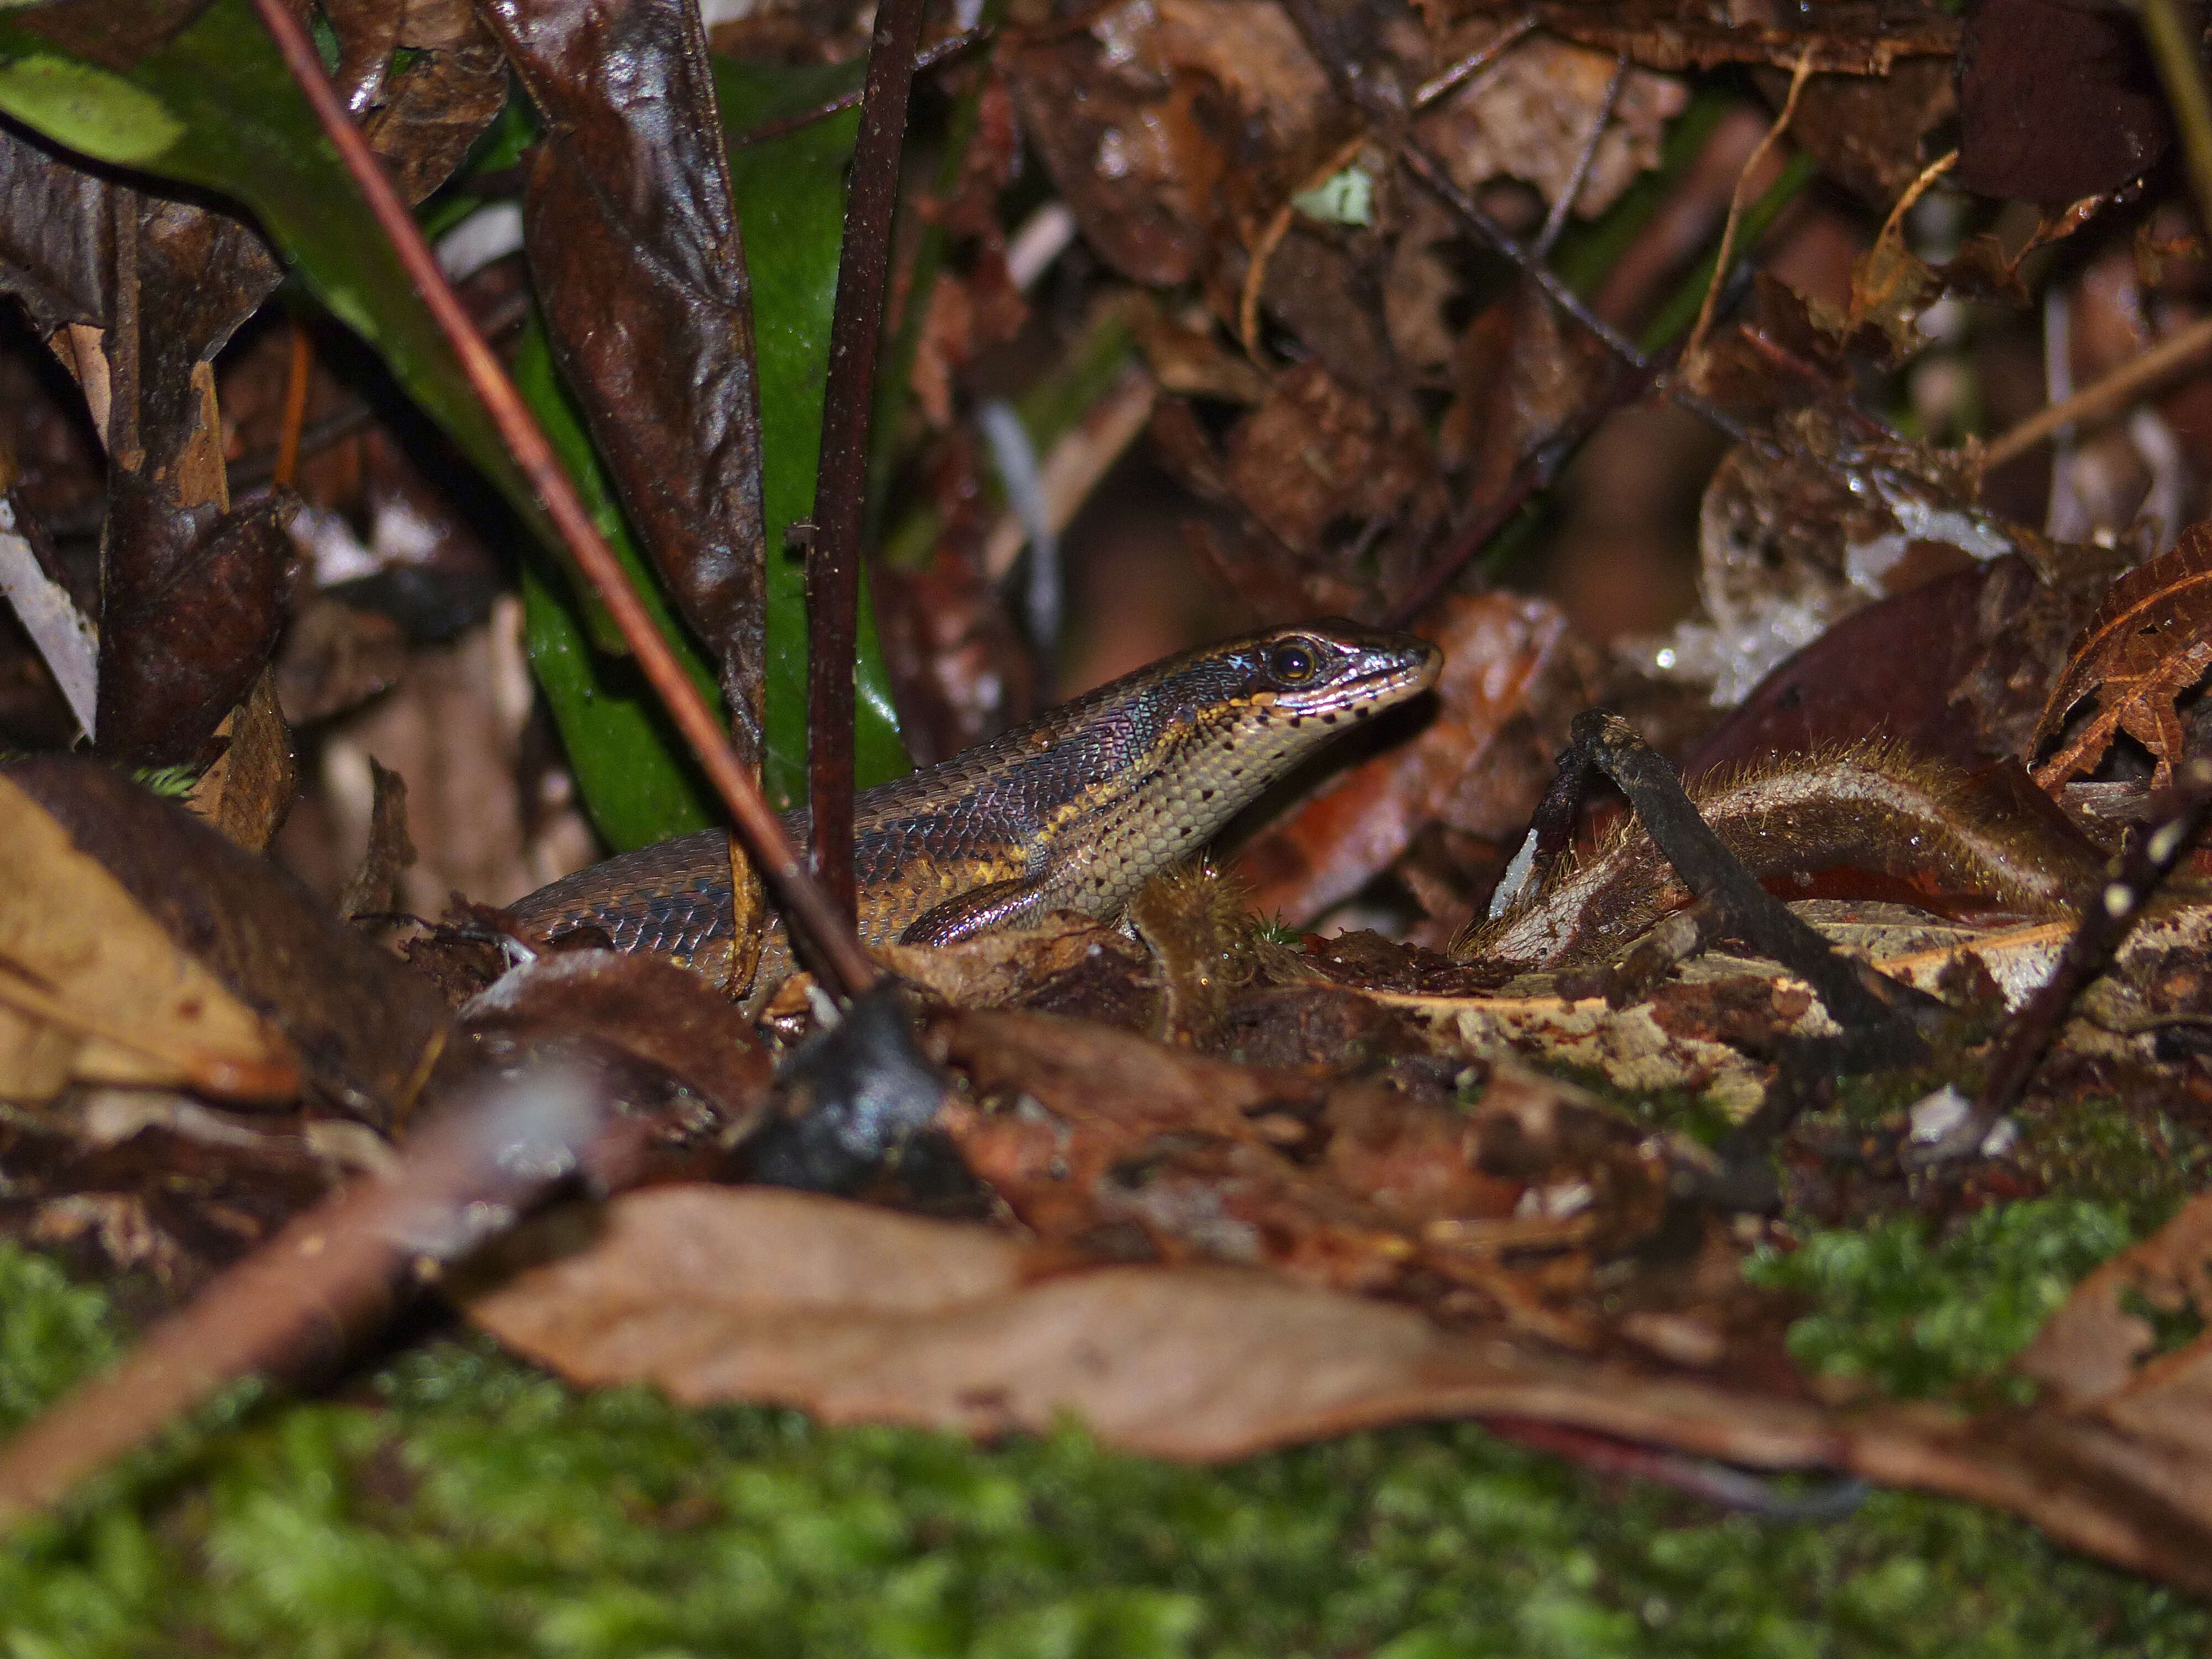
x: 2108, y: 914
x: 1430, y: 171
x: 2106, y: 397
x: 833, y: 569
x: 1473, y: 64
x: 1738, y: 200
x: 836, y: 950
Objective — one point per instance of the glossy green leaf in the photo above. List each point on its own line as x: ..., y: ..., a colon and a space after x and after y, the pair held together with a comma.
x: 214, y: 106
x: 791, y: 201
x: 631, y: 767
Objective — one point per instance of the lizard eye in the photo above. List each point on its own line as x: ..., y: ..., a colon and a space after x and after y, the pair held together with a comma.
x: 1293, y: 662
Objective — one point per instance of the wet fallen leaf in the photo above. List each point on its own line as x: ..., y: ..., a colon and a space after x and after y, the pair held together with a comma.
x: 2055, y: 102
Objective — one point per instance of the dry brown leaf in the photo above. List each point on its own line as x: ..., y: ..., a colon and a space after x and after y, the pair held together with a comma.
x: 721, y: 1294
x: 363, y: 1028
x: 858, y: 1315
x: 92, y: 988
x: 1529, y: 115
x: 373, y: 887
x: 2149, y: 643
x: 249, y: 793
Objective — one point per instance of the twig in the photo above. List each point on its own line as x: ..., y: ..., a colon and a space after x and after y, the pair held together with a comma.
x: 2175, y: 47
x: 1878, y: 1014
x: 295, y: 409
x: 1556, y: 220
x: 1918, y: 188
x: 1278, y: 227
x: 1473, y: 64
x: 1430, y: 171
x: 1737, y: 201
x: 293, y: 1304
x: 928, y: 57
x: 838, y: 952
x: 2106, y: 397
x: 832, y: 568
x: 2108, y: 915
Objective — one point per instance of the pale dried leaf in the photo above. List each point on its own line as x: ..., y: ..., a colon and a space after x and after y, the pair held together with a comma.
x: 93, y: 990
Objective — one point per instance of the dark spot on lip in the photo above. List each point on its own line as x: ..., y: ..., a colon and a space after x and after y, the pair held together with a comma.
x: 1328, y: 719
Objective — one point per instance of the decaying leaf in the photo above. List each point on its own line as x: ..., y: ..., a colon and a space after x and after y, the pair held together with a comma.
x: 2102, y: 1353
x: 861, y: 1314
x: 1528, y: 114
x: 1847, y: 37
x: 1874, y: 809
x: 2149, y: 642
x: 248, y: 791
x: 637, y: 258
x: 2055, y: 102
x: 373, y: 887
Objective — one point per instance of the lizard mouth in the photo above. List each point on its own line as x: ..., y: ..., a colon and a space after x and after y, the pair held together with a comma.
x: 1407, y: 674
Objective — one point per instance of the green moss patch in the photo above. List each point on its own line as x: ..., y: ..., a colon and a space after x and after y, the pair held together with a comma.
x: 473, y: 1505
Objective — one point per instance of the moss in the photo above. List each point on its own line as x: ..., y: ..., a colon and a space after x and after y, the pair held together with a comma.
x: 477, y: 1506
x: 1920, y: 1315
x: 2120, y: 1153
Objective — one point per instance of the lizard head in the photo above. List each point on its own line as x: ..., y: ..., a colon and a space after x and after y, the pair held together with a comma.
x: 1334, y: 670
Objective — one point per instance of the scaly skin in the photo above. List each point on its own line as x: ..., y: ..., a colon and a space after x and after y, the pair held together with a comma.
x: 1075, y: 811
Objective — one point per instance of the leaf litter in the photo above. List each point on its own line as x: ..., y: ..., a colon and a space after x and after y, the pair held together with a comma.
x: 1213, y: 1185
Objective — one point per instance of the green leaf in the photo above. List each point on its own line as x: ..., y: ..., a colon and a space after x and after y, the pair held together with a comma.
x: 631, y: 767
x: 214, y: 106
x: 87, y: 108
x: 790, y: 194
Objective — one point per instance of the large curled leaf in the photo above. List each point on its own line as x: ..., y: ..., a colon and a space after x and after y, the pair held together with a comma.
x: 213, y: 105
x: 790, y: 194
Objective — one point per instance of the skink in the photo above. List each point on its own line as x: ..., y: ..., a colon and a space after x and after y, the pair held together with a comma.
x: 1075, y: 811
